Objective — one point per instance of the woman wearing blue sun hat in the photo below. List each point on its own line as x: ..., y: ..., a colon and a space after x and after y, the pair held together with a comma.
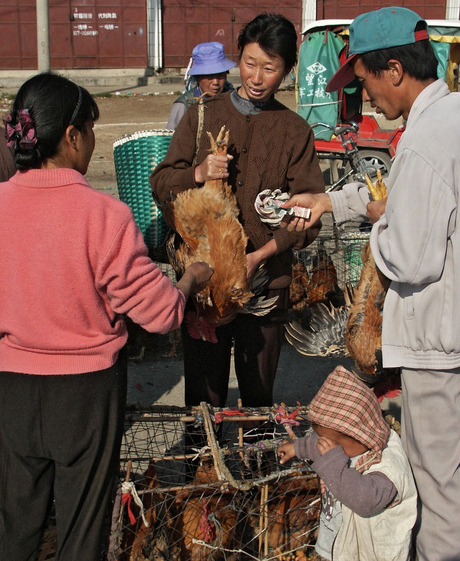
x: 208, y: 75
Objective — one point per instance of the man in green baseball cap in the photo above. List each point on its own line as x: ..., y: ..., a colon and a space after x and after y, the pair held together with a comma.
x: 377, y: 30
x: 415, y: 242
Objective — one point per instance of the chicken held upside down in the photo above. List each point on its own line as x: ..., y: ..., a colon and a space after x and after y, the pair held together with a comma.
x: 206, y: 220
x: 362, y: 333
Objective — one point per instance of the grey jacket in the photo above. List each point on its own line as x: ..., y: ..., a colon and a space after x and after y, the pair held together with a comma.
x: 183, y: 102
x: 416, y: 243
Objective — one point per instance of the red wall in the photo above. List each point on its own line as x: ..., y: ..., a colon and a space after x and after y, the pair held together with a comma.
x: 189, y: 22
x: 349, y: 9
x: 113, y: 33
x: 83, y: 34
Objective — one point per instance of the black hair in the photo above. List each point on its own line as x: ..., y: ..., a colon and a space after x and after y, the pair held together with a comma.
x: 275, y: 34
x: 417, y: 59
x: 53, y: 103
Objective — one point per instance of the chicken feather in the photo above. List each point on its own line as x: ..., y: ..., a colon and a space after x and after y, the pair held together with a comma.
x: 361, y: 336
x: 206, y: 220
x: 207, y: 520
x: 157, y: 541
x: 364, y: 325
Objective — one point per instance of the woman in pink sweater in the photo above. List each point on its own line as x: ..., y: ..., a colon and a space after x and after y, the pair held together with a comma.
x: 73, y: 264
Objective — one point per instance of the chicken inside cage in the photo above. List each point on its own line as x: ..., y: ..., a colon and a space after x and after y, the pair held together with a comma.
x: 314, y: 281
x: 240, y: 502
x: 353, y: 329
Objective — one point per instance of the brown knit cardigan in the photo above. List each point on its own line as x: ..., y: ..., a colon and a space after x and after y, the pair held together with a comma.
x: 272, y: 150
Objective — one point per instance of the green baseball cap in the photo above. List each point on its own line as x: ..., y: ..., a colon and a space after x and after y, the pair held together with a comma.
x: 379, y: 29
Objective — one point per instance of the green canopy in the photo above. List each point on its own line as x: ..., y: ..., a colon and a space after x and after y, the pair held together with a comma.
x: 441, y: 50
x: 318, y: 61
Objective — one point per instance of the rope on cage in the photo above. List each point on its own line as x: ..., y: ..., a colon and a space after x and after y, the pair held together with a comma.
x: 223, y: 473
x: 284, y: 555
x: 288, y: 420
x: 115, y: 531
x: 212, y: 529
x: 201, y: 452
x: 257, y: 449
x: 128, y: 492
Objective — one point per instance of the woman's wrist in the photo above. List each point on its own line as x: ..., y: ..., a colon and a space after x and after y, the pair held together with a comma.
x: 199, y: 180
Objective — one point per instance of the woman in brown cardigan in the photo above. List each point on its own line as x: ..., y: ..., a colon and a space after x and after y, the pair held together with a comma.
x: 270, y: 147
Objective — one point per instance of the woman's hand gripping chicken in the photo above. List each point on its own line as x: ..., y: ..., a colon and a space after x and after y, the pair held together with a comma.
x: 206, y: 220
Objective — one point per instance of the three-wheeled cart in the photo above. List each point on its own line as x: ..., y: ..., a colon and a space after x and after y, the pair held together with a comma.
x: 350, y: 139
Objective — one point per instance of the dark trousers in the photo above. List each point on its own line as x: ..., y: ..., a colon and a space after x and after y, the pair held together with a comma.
x: 257, y: 349
x: 59, y: 438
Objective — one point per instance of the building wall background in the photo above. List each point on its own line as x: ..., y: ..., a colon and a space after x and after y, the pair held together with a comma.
x: 189, y: 22
x: 115, y: 33
x: 83, y: 34
x: 349, y: 9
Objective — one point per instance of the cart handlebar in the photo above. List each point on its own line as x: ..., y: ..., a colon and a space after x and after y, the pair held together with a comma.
x: 350, y: 128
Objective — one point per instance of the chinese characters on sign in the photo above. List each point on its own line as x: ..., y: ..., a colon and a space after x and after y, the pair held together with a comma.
x: 315, y: 83
x: 87, y: 29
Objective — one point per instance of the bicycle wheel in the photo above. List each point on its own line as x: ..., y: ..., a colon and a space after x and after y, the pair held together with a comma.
x: 374, y: 160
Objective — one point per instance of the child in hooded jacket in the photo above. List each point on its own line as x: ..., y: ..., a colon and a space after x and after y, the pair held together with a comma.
x: 368, y: 492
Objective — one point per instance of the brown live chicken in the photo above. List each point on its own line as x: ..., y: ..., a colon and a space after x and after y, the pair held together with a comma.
x: 158, y: 541
x: 358, y: 324
x: 282, y: 520
x: 207, y: 519
x: 317, y: 285
x: 292, y: 516
x: 206, y: 220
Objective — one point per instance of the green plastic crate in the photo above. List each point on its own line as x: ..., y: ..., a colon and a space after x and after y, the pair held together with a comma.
x: 135, y: 156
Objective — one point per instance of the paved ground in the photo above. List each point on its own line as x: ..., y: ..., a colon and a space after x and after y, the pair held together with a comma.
x: 158, y: 379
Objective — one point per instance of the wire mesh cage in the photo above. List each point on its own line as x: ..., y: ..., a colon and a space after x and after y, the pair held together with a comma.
x: 135, y: 157
x: 326, y: 273
x: 205, y: 484
x: 336, y: 252
x: 324, y: 270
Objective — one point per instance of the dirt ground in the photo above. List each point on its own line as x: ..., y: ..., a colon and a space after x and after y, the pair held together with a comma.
x: 158, y: 379
x: 125, y: 114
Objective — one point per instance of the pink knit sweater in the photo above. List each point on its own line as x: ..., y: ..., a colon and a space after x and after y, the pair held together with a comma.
x: 72, y: 260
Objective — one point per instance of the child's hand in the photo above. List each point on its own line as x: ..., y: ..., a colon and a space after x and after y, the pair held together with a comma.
x: 324, y: 444
x: 285, y: 451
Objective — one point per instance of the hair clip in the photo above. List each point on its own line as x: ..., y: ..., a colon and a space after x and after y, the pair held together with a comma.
x: 23, y: 132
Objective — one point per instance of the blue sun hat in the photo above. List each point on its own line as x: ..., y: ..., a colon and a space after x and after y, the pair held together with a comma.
x: 209, y: 58
x: 380, y: 29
